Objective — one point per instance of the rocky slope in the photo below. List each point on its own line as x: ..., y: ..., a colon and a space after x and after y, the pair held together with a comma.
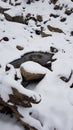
x: 36, y: 64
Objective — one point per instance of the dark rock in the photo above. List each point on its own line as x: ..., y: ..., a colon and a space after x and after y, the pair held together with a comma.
x: 58, y: 7
x: 3, y: 9
x: 53, y: 49
x: 65, y: 79
x: 39, y: 57
x: 28, y: 15
x: 43, y: 34
x: 63, y: 19
x: 29, y: 1
x: 53, y: 1
x: 53, y: 29
x: 7, y: 68
x: 71, y: 33
x: 54, y: 15
x: 71, y: 85
x: 69, y: 12
x: 20, y: 99
x: 49, y: 66
x: 6, y: 39
x: 19, y: 47
x: 39, y: 18
x: 6, y: 110
x: 16, y: 77
x: 38, y: 32
x: 0, y: 65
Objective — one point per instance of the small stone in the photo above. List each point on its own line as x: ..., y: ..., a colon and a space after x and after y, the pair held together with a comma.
x: 58, y: 7
x: 54, y: 29
x: 53, y: 1
x: 63, y: 19
x: 0, y: 65
x: 53, y: 49
x: 71, y: 85
x: 5, y: 39
x: 68, y: 12
x: 31, y: 74
x: 54, y: 15
x: 39, y: 18
x: 71, y: 33
x: 7, y: 68
x: 43, y: 34
x: 38, y: 32
x: 19, y: 47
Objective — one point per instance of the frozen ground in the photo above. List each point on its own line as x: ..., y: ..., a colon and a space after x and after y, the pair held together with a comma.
x: 55, y: 111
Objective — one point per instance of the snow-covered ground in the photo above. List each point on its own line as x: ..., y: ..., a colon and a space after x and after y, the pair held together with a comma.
x: 55, y: 111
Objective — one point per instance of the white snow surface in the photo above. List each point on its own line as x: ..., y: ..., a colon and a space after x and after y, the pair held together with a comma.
x: 33, y: 67
x: 55, y: 111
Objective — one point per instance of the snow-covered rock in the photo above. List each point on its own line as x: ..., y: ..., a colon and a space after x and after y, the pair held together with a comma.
x: 32, y: 71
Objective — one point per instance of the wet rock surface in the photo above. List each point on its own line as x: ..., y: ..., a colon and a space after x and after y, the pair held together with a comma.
x: 39, y: 57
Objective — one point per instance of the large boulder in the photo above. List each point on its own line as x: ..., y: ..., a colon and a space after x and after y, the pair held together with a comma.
x: 32, y: 71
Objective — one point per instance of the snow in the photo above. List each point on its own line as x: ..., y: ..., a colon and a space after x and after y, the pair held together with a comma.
x: 6, y: 123
x: 55, y: 111
x: 33, y: 67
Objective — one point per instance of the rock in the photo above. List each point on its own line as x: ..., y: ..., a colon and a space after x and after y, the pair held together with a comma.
x: 19, y: 47
x: 39, y: 18
x: 58, y: 7
x: 65, y: 79
x: 7, y: 68
x: 20, y: 99
x: 53, y: 29
x: 71, y: 33
x: 49, y: 66
x: 0, y: 65
x: 63, y: 19
x: 18, y: 18
x: 39, y: 57
x: 71, y: 86
x: 53, y: 1
x: 54, y: 15
x: 38, y: 32
x: 69, y: 11
x: 53, y: 49
x: 32, y: 71
x: 5, y: 39
x: 43, y: 34
x: 3, y: 9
